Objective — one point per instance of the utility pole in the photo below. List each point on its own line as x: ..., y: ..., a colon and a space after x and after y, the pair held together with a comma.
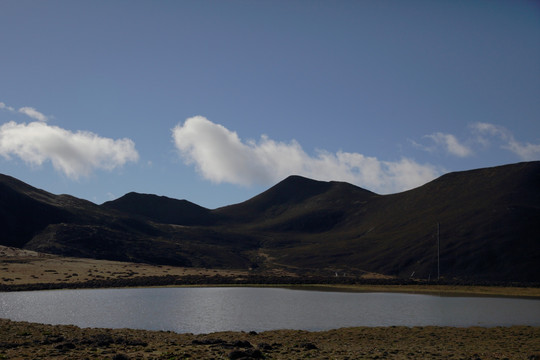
x: 438, y: 251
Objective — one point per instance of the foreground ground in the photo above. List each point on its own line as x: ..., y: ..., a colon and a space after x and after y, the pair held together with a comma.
x: 20, y: 340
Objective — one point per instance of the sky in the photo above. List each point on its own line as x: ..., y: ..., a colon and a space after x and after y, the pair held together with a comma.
x: 216, y: 101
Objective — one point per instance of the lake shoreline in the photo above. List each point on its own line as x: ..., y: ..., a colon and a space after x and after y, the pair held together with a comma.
x: 433, y: 289
x: 31, y: 340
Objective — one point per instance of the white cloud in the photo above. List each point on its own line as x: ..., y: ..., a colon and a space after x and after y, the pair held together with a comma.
x: 221, y: 156
x: 525, y: 151
x: 451, y: 144
x: 482, y: 137
x: 483, y: 129
x: 5, y: 107
x: 74, y: 154
x: 26, y: 110
x: 33, y: 113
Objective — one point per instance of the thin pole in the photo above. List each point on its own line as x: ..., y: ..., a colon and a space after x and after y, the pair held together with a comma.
x: 438, y: 252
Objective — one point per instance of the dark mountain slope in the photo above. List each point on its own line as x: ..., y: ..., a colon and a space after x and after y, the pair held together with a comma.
x: 297, y: 204
x: 61, y: 224
x: 25, y: 211
x: 289, y: 192
x: 162, y: 209
x: 488, y: 218
x: 38, y: 220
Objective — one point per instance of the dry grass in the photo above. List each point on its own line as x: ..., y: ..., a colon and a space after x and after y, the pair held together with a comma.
x: 449, y: 290
x: 20, y: 340
x: 19, y: 267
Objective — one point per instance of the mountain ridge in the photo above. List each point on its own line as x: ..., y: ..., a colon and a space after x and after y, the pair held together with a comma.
x: 161, y: 209
x: 488, y: 219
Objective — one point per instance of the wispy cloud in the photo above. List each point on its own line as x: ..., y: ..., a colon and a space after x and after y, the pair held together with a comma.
x: 33, y: 113
x: 482, y: 136
x: 221, y: 156
x: 525, y: 151
x: 3, y: 106
x: 26, y: 110
x: 74, y: 154
x: 450, y: 143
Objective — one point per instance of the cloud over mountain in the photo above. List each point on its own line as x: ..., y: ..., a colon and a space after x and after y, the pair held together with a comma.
x: 74, y: 154
x: 220, y: 155
x: 482, y: 136
x: 525, y: 151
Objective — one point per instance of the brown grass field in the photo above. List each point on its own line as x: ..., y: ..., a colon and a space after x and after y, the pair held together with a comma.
x: 21, y: 340
x: 28, y: 267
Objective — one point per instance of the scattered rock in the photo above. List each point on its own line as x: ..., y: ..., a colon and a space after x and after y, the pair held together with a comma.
x: 65, y: 346
x: 242, y: 344
x: 265, y: 347
x: 120, y: 357
x: 208, y: 342
x: 246, y: 354
x: 310, y: 346
x: 52, y: 339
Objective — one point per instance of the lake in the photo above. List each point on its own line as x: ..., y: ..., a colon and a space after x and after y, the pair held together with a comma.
x: 205, y: 310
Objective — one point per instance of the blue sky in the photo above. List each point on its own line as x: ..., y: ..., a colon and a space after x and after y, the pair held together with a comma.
x: 215, y: 101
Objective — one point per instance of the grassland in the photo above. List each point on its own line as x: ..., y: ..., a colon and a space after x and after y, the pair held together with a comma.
x: 450, y: 290
x: 23, y: 267
x: 20, y: 340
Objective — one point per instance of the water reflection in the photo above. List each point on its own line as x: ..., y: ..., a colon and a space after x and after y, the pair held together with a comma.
x: 203, y: 310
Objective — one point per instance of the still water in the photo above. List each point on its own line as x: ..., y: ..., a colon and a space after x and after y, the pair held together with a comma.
x: 204, y: 310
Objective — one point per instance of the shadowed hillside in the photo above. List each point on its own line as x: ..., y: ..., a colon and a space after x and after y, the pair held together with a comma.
x: 162, y: 209
x: 488, y: 227
x: 298, y: 204
x: 17, y: 206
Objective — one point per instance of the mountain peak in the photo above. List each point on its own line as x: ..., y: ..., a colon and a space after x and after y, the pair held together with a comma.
x: 294, y: 191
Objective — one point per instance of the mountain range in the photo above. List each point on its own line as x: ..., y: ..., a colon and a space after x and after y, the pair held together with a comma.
x: 478, y: 225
